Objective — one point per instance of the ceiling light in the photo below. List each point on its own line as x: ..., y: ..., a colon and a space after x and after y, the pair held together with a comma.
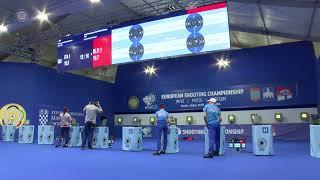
x: 304, y: 116
x: 3, y: 28
x: 43, y: 16
x: 278, y: 116
x: 146, y: 70
x: 223, y: 63
x: 94, y: 1
x: 150, y: 70
x: 152, y: 120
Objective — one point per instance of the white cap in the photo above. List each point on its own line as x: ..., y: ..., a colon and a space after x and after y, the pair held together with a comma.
x: 214, y: 100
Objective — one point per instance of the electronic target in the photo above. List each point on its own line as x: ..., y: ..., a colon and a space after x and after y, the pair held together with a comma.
x: 194, y: 23
x: 262, y: 143
x: 136, y: 51
x: 12, y: 114
x: 49, y: 138
x: 105, y: 141
x: 94, y: 142
x: 139, y: 142
x: 41, y: 138
x: 127, y: 142
x: 195, y: 42
x: 136, y: 33
x: 29, y: 137
x: 11, y: 136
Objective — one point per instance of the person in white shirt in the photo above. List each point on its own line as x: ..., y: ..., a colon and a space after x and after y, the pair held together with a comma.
x: 91, y: 110
x: 65, y: 124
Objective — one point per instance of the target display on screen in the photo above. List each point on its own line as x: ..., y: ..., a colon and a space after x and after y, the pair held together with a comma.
x: 193, y: 31
x: 197, y: 30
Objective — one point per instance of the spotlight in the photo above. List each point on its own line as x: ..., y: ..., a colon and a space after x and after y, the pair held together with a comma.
x: 223, y: 63
x: 189, y: 119
x: 95, y: 1
x: 152, y: 120
x: 278, y: 116
x: 255, y: 119
x: 304, y: 116
x: 172, y: 121
x: 136, y: 121
x: 231, y: 118
x: 120, y: 120
x: 3, y: 28
x: 150, y: 70
x: 43, y: 16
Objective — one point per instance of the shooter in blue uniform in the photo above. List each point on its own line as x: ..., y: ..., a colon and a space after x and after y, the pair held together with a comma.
x: 212, y: 121
x: 162, y: 120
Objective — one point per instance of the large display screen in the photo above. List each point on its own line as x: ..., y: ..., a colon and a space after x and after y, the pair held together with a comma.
x: 87, y: 50
x: 194, y: 31
x: 198, y: 30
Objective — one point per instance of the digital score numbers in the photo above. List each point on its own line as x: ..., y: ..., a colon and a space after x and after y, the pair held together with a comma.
x: 89, y: 50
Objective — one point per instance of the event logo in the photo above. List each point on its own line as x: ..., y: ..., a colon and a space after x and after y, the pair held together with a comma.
x: 147, y: 131
x: 284, y: 93
x: 22, y: 15
x: 12, y: 114
x: 133, y: 102
x: 268, y: 93
x: 150, y: 101
x: 255, y: 94
x: 43, y: 116
x: 51, y: 115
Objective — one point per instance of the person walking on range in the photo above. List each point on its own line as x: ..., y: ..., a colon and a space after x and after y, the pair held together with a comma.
x: 162, y: 120
x: 91, y: 110
x: 213, y: 119
x: 65, y: 124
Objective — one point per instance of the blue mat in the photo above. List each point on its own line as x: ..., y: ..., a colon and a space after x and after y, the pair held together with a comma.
x: 31, y: 161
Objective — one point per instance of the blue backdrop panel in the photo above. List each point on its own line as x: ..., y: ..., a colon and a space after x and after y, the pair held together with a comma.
x: 8, y: 133
x: 222, y: 140
x: 26, y: 134
x: 45, y: 134
x: 132, y: 138
x: 247, y: 83
x: 101, y: 138
x: 75, y: 136
x: 172, y: 139
x: 315, y: 141
x: 262, y: 140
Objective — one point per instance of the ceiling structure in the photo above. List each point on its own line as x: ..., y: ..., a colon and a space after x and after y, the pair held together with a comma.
x: 252, y: 23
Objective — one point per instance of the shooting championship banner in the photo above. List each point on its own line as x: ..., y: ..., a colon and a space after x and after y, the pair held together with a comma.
x: 230, y: 97
x: 49, y: 115
x: 288, y: 131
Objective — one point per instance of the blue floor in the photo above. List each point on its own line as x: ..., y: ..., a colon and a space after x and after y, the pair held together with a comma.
x: 30, y: 162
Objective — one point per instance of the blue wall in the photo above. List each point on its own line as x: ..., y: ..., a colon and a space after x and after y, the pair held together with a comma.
x: 285, y: 64
x: 17, y: 85
x: 36, y: 87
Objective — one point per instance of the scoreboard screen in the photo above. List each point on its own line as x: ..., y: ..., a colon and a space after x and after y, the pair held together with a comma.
x: 197, y: 30
x: 87, y: 50
x: 193, y: 31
